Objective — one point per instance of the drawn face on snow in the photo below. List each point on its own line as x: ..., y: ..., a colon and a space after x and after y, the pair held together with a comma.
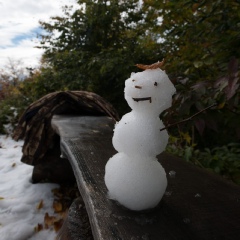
x: 150, y: 90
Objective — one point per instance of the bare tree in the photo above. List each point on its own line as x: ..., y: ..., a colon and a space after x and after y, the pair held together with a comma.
x: 12, y: 72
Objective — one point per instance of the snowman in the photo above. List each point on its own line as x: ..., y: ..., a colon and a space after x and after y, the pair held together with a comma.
x: 133, y: 176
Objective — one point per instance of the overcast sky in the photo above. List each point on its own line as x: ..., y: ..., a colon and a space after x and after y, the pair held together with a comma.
x: 19, y: 25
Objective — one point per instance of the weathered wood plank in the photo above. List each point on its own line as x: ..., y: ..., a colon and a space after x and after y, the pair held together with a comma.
x: 197, y: 203
x: 76, y: 225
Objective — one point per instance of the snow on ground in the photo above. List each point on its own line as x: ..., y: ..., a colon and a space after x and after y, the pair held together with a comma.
x: 23, y: 205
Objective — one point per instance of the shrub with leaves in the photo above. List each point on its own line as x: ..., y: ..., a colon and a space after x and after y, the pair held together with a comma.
x: 10, y: 111
x: 201, y: 45
x: 97, y: 47
x: 11, y: 107
x: 218, y: 125
x: 222, y: 160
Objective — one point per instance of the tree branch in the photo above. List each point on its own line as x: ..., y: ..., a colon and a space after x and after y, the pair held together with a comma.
x: 188, y: 119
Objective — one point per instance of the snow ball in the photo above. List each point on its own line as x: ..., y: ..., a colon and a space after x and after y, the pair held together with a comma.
x: 135, y: 186
x: 149, y: 91
x: 139, y: 136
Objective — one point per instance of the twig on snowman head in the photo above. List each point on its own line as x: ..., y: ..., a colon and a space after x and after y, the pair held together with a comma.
x: 152, y: 66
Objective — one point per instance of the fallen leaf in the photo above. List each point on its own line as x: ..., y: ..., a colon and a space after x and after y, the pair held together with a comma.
x: 49, y: 220
x: 14, y: 165
x: 152, y: 66
x: 57, y: 206
x: 40, y: 205
x: 1, y: 198
x: 58, y: 224
x: 38, y: 228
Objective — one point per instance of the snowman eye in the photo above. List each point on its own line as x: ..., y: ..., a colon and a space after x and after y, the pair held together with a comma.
x: 155, y: 84
x: 139, y: 87
x: 133, y: 80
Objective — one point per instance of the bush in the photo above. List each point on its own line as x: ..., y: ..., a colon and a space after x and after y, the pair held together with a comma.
x: 11, y: 107
x: 216, y: 126
x: 222, y: 160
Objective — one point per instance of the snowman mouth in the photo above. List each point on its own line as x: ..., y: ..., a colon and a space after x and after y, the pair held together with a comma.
x: 142, y: 99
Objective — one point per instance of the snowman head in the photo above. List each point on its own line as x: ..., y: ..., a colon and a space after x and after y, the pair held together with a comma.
x: 149, y: 91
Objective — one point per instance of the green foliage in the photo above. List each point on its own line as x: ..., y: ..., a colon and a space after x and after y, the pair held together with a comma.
x: 97, y: 47
x: 202, y: 51
x: 218, y: 125
x: 40, y: 84
x: 222, y: 160
x: 200, y: 36
x: 201, y: 46
x: 11, y: 109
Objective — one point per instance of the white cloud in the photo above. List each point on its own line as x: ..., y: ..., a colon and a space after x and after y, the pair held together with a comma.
x: 24, y: 50
x: 19, y: 26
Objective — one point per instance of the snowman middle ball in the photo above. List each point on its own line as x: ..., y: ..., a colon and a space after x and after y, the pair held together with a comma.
x: 138, y: 135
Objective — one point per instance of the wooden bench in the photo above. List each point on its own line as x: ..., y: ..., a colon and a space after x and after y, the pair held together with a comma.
x: 197, y: 204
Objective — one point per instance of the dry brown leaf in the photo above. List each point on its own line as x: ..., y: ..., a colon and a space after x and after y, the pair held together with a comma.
x: 38, y: 228
x: 14, y: 165
x: 40, y: 205
x: 58, y: 224
x: 57, y: 206
x: 1, y: 198
x: 152, y: 66
x: 49, y: 220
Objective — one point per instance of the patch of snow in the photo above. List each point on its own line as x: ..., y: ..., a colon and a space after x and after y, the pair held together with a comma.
x: 19, y: 198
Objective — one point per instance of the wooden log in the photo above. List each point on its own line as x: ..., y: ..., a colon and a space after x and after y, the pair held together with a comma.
x: 76, y: 225
x: 197, y: 205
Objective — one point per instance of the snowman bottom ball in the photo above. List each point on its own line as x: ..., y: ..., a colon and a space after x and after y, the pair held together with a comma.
x: 135, y: 182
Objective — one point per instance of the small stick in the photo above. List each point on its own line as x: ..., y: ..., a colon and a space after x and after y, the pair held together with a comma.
x: 143, y: 99
x: 188, y: 119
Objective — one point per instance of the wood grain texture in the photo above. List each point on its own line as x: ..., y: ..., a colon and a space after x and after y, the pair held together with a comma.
x: 76, y: 225
x: 197, y: 205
